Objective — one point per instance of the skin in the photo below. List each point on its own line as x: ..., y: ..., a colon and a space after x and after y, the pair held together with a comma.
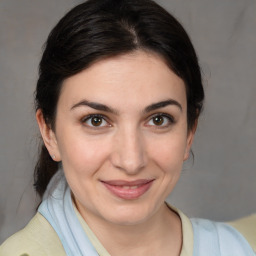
x: 129, y: 144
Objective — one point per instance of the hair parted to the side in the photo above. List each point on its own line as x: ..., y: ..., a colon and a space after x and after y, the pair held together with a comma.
x: 98, y: 29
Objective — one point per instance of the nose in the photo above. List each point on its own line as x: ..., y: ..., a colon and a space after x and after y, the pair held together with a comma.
x: 129, y: 154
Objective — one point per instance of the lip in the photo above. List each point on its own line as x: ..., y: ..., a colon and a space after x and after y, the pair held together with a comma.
x: 128, y: 189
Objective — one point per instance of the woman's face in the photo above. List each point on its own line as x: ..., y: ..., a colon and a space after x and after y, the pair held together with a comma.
x: 121, y: 134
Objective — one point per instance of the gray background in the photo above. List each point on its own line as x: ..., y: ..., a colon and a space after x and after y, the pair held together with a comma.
x: 221, y: 183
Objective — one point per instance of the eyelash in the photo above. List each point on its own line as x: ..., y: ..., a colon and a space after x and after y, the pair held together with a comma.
x: 170, y: 120
x: 90, y: 117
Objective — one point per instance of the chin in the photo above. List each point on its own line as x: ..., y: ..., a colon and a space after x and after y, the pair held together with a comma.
x: 127, y: 216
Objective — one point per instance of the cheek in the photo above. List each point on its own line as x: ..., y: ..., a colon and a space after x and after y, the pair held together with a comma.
x: 169, y: 152
x: 82, y: 155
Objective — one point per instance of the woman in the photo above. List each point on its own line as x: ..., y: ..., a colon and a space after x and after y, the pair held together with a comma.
x: 117, y: 102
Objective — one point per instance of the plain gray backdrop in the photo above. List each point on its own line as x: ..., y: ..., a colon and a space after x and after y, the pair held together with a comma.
x: 220, y: 184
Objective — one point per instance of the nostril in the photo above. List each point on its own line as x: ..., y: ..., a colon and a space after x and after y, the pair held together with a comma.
x: 130, y: 163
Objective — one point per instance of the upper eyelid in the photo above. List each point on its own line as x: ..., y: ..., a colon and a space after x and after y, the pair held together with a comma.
x: 148, y: 118
x: 94, y: 115
x: 162, y: 114
x: 87, y: 117
x: 92, y: 127
x: 170, y: 121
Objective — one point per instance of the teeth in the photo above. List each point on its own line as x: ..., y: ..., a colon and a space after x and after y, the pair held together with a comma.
x: 129, y: 187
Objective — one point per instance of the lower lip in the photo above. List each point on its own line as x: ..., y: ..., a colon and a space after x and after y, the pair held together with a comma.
x: 128, y: 193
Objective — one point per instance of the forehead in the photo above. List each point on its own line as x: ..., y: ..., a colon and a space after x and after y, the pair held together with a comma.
x: 138, y: 78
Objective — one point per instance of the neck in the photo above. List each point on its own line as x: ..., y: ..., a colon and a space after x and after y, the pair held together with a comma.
x: 139, y: 239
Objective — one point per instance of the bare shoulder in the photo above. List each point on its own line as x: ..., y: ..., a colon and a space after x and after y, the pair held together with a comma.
x: 36, y: 239
x: 247, y: 227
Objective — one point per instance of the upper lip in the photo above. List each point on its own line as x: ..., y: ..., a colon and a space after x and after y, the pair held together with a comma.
x: 127, y: 183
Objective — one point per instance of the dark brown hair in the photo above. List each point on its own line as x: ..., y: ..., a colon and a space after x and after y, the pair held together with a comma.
x: 99, y: 29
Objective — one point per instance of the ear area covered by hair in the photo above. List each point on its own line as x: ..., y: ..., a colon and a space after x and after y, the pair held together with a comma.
x: 48, y: 136
x: 190, y: 139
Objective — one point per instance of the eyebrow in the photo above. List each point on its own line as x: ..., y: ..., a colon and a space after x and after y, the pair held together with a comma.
x: 105, y: 108
x: 94, y: 105
x: 162, y: 104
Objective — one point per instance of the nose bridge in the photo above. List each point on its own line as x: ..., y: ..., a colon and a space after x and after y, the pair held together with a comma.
x: 129, y: 153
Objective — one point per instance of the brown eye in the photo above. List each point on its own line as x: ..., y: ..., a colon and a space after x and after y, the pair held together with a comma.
x: 161, y: 120
x: 158, y: 120
x: 96, y: 121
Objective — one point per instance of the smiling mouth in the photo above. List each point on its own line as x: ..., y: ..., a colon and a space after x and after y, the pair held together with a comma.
x: 128, y: 189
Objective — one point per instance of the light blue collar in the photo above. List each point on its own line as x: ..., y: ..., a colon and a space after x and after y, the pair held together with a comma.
x: 58, y: 209
x: 218, y: 239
